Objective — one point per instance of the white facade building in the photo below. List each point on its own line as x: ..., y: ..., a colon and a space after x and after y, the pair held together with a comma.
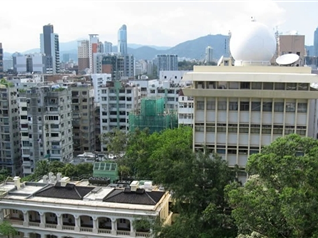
x: 99, y: 80
x: 57, y: 208
x: 240, y: 109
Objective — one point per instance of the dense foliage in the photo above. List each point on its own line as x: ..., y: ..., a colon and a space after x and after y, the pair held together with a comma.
x: 43, y: 167
x: 280, y: 199
x: 196, y: 181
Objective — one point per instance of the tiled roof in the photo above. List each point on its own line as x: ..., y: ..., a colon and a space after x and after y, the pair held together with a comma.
x: 129, y: 197
x: 70, y: 191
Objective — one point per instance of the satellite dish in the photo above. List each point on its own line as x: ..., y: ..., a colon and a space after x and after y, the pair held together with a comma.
x: 220, y: 61
x: 287, y: 59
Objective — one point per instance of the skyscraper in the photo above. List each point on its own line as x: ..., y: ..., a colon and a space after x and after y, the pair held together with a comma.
x: 50, y: 47
x: 316, y: 42
x: 108, y: 47
x: 93, y: 48
x: 122, y: 40
x: 1, y: 61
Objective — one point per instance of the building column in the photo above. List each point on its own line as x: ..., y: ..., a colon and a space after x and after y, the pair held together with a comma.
x: 42, y: 219
x: 77, y: 222
x: 59, y: 221
x: 1, y: 214
x: 132, y: 230
x: 25, y: 218
x: 26, y: 235
x: 95, y: 224
x: 114, y: 226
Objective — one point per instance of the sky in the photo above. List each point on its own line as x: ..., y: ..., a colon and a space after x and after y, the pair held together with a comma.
x: 149, y: 22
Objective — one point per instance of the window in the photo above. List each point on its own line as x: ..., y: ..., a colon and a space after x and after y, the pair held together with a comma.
x: 256, y: 106
x: 210, y: 105
x: 200, y: 105
x: 256, y: 85
x: 290, y: 107
x: 233, y: 106
x: 278, y: 106
x: 245, y: 85
x: 244, y: 106
x: 302, y: 107
x: 268, y: 86
x: 279, y: 86
x: 267, y: 106
x: 221, y: 105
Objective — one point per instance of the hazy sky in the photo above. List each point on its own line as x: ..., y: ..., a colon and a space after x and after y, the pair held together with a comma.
x: 149, y: 22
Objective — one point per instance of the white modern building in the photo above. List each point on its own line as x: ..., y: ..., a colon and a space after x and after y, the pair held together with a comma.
x: 58, y: 208
x: 45, y: 126
x: 239, y: 109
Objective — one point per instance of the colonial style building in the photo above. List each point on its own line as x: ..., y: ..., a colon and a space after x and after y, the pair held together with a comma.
x: 57, y: 208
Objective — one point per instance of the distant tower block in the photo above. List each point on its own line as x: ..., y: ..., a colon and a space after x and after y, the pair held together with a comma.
x: 209, y: 54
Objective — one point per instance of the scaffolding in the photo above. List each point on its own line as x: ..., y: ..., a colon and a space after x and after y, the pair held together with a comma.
x: 153, y: 115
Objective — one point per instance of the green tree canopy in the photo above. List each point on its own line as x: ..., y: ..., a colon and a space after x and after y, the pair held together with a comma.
x: 280, y: 198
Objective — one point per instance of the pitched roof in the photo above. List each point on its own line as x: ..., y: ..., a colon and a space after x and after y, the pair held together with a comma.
x: 70, y: 191
x: 138, y: 197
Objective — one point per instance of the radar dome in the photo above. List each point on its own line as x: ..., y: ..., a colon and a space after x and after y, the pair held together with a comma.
x: 252, y: 44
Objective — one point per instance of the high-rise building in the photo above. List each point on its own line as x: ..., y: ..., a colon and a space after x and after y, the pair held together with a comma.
x: 93, y: 48
x: 208, y: 54
x: 122, y: 40
x: 46, y: 125
x: 83, y: 55
x: 316, y: 42
x: 108, y: 47
x: 83, y: 118
x: 10, y: 153
x: 166, y: 63
x: 109, y: 64
x: 1, y: 61
x: 50, y: 47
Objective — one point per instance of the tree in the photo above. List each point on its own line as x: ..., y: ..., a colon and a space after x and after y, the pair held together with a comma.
x: 7, y: 230
x: 116, y: 142
x: 280, y: 198
x: 197, y: 183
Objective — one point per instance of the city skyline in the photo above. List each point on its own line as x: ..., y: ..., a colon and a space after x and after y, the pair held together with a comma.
x: 159, y: 23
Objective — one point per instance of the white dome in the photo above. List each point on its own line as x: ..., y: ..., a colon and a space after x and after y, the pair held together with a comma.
x: 252, y: 44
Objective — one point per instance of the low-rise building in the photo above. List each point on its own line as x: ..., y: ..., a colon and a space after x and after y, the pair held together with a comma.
x: 57, y: 208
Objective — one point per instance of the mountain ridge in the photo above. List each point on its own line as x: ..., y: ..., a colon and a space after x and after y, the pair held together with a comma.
x: 191, y: 49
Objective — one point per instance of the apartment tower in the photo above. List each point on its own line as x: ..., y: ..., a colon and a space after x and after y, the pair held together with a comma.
x: 1, y: 61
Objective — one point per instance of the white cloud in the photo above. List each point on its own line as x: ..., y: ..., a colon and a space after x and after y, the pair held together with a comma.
x: 162, y: 23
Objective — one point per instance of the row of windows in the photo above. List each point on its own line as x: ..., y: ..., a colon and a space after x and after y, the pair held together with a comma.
x: 253, y: 85
x: 253, y: 106
x: 256, y: 129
